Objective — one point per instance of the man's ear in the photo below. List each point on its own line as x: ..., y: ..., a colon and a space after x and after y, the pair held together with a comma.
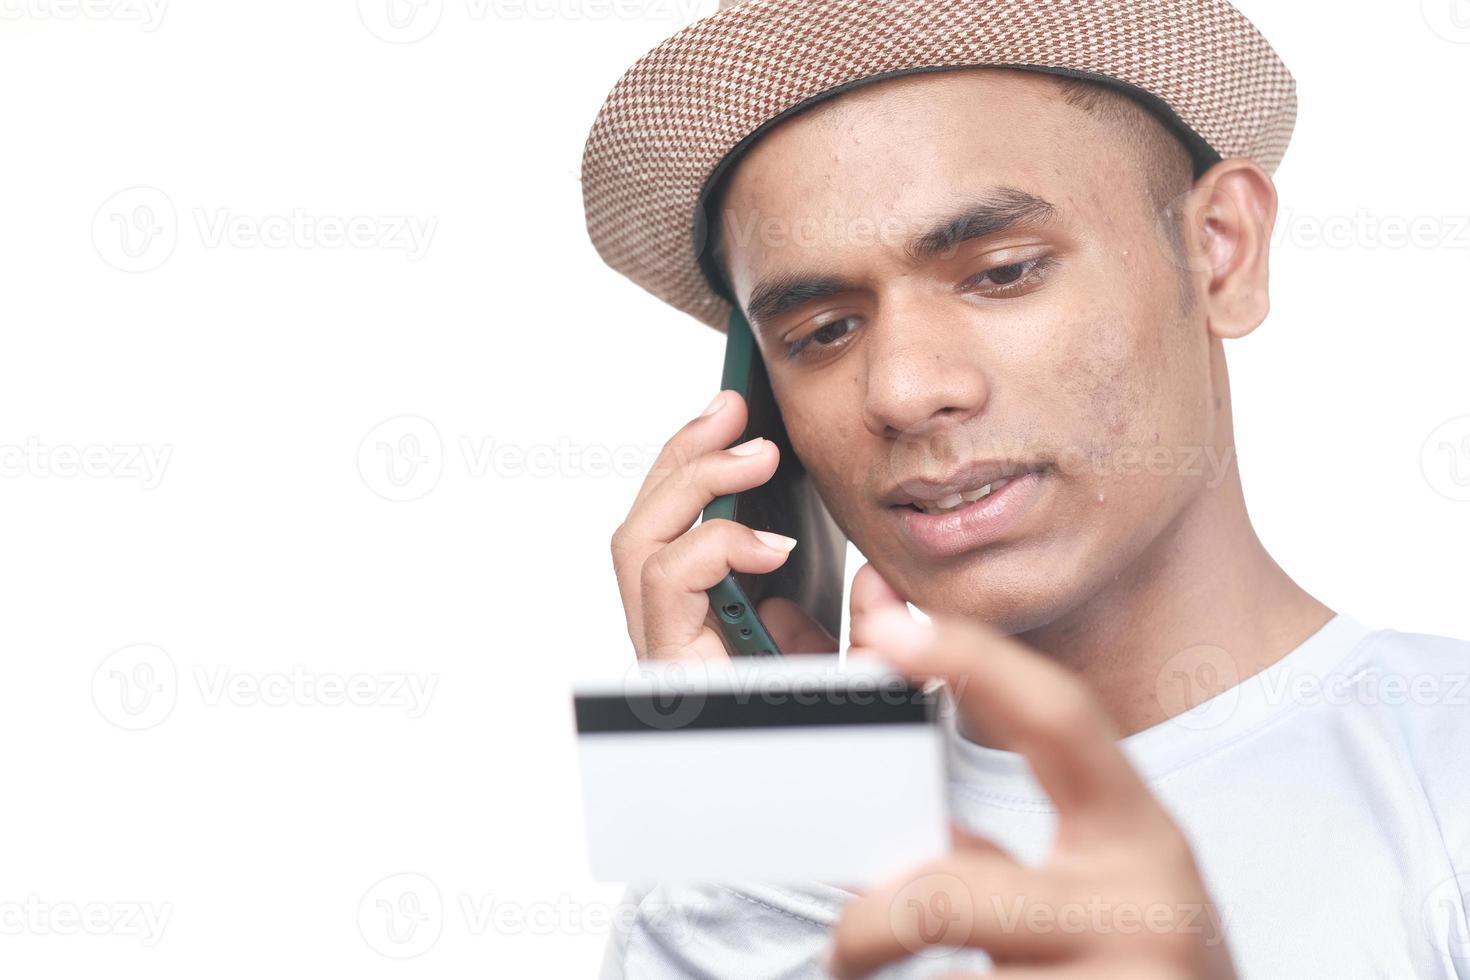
x: 1228, y: 220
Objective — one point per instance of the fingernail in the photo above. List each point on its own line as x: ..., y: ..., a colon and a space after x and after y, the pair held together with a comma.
x: 748, y: 448
x: 714, y: 406
x: 780, y: 542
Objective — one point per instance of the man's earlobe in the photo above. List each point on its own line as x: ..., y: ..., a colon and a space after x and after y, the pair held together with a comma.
x: 1232, y: 212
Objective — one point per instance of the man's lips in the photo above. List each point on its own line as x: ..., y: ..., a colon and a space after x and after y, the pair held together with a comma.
x: 964, y: 485
x: 974, y: 524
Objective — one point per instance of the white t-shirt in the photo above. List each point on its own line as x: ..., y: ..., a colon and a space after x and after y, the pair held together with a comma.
x: 1327, y: 800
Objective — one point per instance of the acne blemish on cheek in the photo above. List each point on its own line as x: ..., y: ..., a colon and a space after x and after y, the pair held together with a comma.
x: 1101, y: 497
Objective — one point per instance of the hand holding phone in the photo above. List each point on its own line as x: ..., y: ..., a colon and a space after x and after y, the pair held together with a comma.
x: 664, y: 566
x: 786, y: 504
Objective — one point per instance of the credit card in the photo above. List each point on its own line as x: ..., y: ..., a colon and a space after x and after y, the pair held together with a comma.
x: 760, y: 769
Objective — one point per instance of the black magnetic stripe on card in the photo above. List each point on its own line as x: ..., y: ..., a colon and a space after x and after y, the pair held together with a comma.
x: 726, y: 710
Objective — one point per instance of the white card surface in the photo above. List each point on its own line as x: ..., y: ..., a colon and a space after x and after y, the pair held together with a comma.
x: 769, y: 769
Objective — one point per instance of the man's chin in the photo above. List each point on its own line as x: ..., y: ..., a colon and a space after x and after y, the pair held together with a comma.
x: 1012, y: 600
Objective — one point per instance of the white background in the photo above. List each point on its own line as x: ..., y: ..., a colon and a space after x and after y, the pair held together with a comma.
x: 261, y: 821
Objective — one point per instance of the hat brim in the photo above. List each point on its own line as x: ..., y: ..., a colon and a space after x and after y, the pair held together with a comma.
x: 680, y: 118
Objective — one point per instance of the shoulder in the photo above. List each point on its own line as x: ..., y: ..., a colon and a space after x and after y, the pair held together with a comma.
x: 1418, y: 686
x: 1419, y: 647
x: 1422, y: 678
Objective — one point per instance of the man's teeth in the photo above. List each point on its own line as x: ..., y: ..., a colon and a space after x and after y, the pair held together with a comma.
x: 956, y: 500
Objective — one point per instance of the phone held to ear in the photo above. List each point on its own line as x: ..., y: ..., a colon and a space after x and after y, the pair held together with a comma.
x: 787, y: 504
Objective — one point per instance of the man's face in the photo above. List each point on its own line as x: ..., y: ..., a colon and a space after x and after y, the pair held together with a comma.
x: 1058, y: 350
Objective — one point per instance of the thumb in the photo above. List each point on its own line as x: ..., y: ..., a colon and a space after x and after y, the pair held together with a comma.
x: 871, y: 596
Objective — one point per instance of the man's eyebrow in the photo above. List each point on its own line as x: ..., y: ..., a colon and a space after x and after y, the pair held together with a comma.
x: 1002, y: 209
x: 777, y: 294
x: 1005, y: 208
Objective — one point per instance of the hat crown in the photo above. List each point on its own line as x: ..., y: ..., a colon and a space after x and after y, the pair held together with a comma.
x: 680, y: 115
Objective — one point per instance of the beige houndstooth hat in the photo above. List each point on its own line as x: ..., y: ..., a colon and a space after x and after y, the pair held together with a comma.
x: 673, y: 125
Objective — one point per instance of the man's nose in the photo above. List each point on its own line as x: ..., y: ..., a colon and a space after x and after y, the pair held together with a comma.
x: 924, y: 371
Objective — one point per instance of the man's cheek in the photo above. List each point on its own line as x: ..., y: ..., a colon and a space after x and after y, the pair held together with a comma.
x: 847, y: 496
x: 831, y: 461
x: 1109, y: 385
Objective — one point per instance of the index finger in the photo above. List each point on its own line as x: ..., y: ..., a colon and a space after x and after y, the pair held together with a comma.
x: 719, y: 426
x: 1024, y: 702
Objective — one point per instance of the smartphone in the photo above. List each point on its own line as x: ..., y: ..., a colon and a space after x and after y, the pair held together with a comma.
x: 788, y: 504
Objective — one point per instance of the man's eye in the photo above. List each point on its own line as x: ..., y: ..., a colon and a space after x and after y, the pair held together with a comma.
x: 827, y: 335
x: 1007, y: 274
x: 1006, y: 279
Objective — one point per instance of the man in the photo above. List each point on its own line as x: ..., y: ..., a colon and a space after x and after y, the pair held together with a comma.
x: 991, y: 252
